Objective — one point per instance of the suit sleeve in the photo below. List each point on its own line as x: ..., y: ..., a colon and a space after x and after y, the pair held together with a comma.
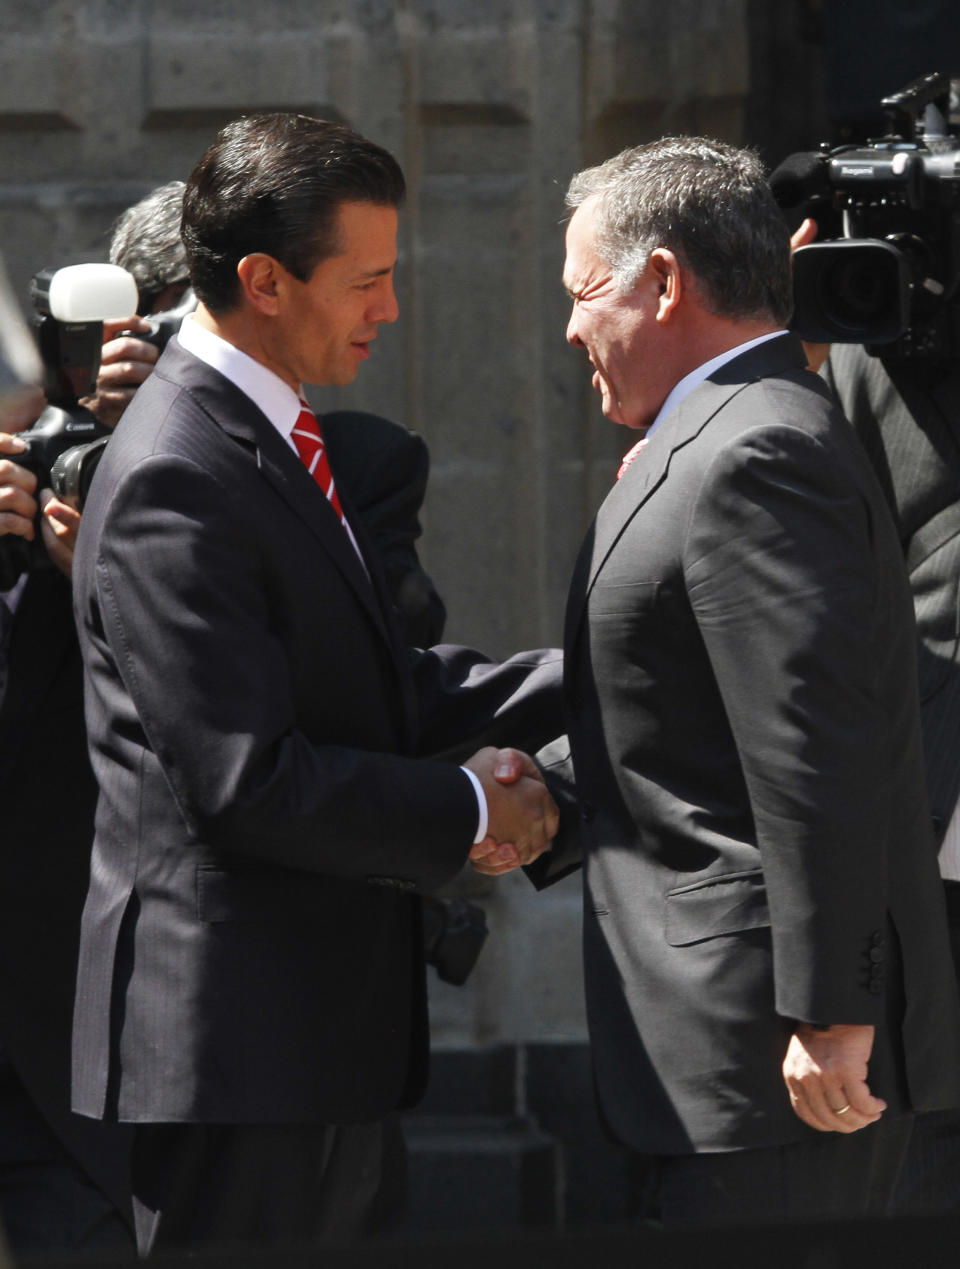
x: 780, y: 572
x: 467, y: 701
x: 384, y: 469
x: 565, y: 854
x: 185, y: 615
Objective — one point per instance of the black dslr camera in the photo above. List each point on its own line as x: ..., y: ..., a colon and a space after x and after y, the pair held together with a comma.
x: 888, y: 277
x: 71, y: 306
x: 65, y: 443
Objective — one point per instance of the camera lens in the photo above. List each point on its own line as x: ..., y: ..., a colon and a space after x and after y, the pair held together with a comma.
x: 851, y: 291
x: 71, y: 474
x: 857, y: 291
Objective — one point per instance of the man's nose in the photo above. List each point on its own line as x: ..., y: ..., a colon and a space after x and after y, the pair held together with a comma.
x: 573, y: 336
x: 387, y: 309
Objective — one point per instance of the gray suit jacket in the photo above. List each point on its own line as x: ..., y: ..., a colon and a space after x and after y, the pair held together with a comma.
x: 250, y: 945
x: 742, y: 711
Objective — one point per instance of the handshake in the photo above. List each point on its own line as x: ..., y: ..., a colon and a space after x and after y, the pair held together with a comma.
x: 522, y: 816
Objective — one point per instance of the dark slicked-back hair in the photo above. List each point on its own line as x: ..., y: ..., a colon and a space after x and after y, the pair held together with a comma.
x: 273, y: 183
x: 706, y: 201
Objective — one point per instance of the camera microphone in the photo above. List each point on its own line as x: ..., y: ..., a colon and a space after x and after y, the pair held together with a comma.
x: 800, y: 179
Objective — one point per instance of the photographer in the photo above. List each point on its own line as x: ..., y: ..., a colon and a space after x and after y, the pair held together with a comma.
x: 145, y: 242
x: 907, y: 414
x: 64, y: 1180
x: 902, y: 396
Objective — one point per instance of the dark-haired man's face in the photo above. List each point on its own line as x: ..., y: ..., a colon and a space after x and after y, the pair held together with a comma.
x: 326, y: 324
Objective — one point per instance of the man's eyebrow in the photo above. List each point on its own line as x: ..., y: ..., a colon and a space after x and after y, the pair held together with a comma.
x: 376, y: 273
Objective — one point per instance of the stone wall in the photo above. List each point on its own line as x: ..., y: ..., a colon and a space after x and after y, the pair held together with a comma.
x: 490, y: 106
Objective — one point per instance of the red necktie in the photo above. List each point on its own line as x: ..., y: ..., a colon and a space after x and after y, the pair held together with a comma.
x: 313, y: 452
x: 630, y: 455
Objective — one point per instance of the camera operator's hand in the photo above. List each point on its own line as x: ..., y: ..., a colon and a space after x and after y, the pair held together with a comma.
x: 18, y: 486
x: 59, y: 530
x: 18, y: 506
x: 125, y: 363
x: 817, y: 354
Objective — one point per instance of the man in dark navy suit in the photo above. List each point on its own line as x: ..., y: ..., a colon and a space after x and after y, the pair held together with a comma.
x: 250, y: 990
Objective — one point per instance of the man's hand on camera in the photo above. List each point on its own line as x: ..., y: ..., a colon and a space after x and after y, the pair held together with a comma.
x: 125, y: 362
x: 18, y: 486
x: 58, y: 528
x: 817, y: 354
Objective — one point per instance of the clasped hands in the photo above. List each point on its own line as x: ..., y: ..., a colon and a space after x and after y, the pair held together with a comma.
x: 522, y: 816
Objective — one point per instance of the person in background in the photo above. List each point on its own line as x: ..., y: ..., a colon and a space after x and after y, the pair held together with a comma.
x: 906, y: 412
x: 64, y: 1179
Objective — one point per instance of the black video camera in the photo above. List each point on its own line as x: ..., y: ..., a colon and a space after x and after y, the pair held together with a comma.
x: 889, y: 279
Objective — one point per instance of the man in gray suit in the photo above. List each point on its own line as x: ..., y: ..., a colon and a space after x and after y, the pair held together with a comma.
x: 767, y: 966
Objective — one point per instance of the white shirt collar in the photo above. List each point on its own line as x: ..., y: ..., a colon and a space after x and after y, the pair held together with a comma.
x: 696, y: 377
x: 276, y: 399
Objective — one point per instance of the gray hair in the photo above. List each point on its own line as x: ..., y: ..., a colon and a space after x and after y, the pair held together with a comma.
x: 146, y: 242
x: 706, y: 201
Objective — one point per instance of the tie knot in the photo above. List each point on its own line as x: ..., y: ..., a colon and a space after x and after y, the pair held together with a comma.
x: 630, y: 455
x: 306, y: 425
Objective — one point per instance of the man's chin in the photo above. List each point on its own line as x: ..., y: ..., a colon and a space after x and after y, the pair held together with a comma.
x: 610, y: 409
x: 342, y: 376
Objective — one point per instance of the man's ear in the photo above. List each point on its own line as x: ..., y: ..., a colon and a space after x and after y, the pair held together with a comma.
x: 665, y: 272
x: 258, y: 274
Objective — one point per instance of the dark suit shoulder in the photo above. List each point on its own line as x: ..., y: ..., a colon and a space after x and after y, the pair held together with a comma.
x: 376, y: 458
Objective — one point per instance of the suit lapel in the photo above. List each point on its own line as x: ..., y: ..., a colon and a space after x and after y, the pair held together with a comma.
x: 652, y: 465
x: 236, y: 415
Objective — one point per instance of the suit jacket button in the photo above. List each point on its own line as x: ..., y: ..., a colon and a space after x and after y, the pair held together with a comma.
x: 876, y: 986
x: 876, y: 955
x: 587, y: 811
x: 876, y: 938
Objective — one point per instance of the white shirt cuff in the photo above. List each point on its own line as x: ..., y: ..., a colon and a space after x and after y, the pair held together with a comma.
x: 481, y: 805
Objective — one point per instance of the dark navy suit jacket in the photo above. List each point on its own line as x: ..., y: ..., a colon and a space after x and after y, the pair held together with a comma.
x: 250, y: 947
